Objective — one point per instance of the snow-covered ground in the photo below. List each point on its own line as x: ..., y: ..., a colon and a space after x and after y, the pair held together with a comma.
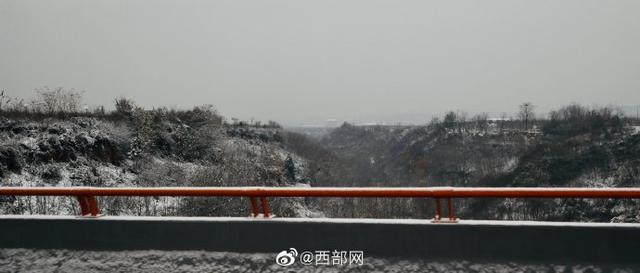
x: 26, y: 260
x: 324, y: 220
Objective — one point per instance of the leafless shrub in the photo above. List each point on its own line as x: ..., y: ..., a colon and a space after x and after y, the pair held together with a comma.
x: 273, y: 124
x: 576, y: 119
x: 124, y: 107
x: 143, y: 132
x: 199, y: 116
x: 4, y: 100
x: 11, y: 104
x: 526, y: 113
x: 56, y: 100
x: 480, y: 122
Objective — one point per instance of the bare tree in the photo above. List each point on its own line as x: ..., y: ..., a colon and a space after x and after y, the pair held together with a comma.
x: 462, y: 121
x: 526, y: 113
x: 503, y: 120
x: 480, y: 122
x: 450, y: 119
x: 124, y: 106
x: 57, y: 100
x: 4, y: 100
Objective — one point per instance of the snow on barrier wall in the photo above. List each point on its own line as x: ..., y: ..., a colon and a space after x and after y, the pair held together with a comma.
x: 468, y: 240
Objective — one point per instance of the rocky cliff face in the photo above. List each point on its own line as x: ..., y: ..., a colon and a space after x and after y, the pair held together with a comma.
x: 608, y: 156
x: 160, y: 152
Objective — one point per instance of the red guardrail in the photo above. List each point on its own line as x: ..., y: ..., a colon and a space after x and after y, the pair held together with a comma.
x: 89, y: 205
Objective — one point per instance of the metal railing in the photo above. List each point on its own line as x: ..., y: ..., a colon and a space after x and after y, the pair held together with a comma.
x: 89, y: 205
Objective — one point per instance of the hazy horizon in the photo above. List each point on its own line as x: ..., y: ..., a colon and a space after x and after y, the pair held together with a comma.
x: 308, y: 61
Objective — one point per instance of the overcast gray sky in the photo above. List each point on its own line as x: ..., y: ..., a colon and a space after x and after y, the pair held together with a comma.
x: 308, y: 60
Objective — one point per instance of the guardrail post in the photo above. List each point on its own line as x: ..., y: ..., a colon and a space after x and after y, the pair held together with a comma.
x: 254, y: 206
x: 265, y: 206
x: 88, y: 206
x: 438, y: 210
x: 452, y: 211
x: 84, y: 205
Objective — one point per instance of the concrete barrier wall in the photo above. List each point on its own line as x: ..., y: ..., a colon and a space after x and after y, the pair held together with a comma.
x: 470, y: 240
